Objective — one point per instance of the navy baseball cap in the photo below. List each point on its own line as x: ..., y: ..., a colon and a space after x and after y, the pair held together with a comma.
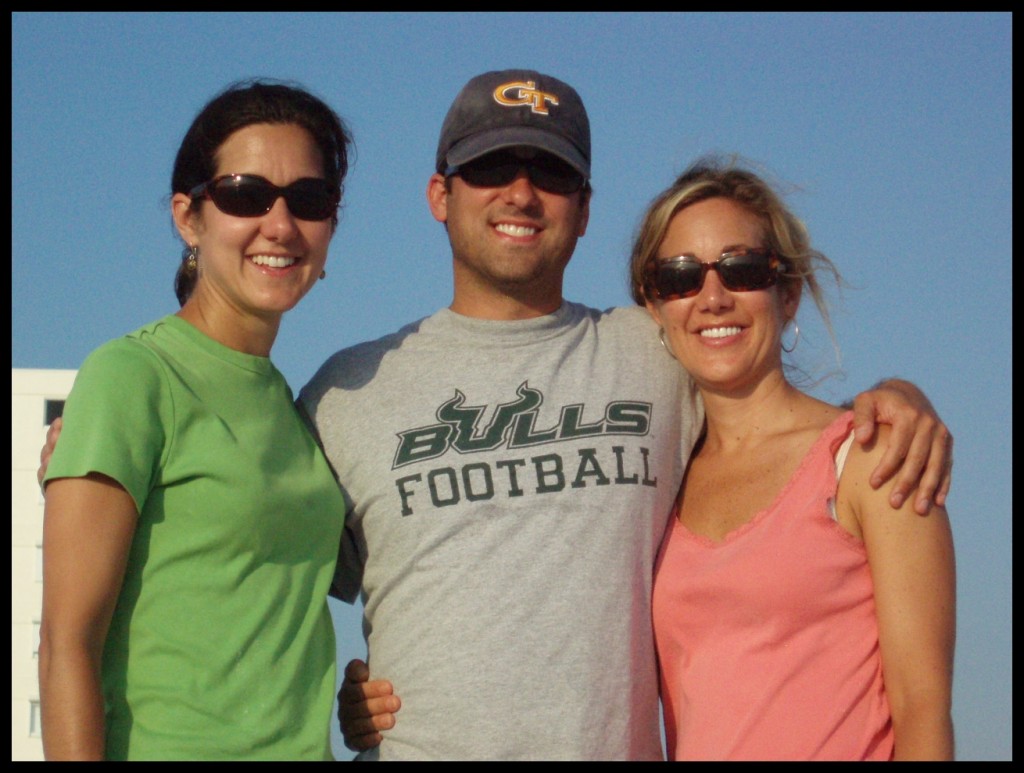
x: 509, y: 108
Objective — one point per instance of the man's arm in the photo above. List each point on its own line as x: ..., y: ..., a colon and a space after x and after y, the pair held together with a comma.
x: 51, y: 442
x: 920, y: 450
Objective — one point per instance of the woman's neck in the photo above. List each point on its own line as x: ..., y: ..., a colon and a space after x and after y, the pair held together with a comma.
x: 244, y: 333
x: 744, y: 418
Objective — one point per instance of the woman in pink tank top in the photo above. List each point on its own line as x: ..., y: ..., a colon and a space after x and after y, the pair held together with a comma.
x: 797, y: 614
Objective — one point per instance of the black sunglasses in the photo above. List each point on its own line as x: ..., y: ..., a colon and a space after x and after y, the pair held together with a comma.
x: 683, y: 277
x: 496, y: 170
x: 249, y: 195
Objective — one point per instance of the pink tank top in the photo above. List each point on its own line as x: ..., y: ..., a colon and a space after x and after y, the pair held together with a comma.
x: 768, y: 640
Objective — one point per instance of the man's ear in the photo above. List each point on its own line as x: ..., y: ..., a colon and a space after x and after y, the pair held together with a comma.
x: 437, y: 197
x: 584, y: 214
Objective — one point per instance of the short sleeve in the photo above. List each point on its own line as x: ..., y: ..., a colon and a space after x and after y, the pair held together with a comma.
x: 115, y: 419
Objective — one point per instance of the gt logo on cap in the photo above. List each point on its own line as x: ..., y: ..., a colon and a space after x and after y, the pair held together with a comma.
x: 527, y: 94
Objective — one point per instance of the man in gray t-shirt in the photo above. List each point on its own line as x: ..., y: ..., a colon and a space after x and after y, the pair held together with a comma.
x: 509, y: 465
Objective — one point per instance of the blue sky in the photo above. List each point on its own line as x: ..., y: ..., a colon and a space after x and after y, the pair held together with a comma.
x: 892, y: 131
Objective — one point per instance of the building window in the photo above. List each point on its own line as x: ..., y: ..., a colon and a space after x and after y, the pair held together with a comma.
x: 35, y: 723
x: 54, y: 409
x: 35, y: 638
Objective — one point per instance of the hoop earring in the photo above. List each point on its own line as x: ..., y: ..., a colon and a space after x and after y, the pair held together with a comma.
x: 190, y: 256
x: 661, y: 337
x: 796, y: 339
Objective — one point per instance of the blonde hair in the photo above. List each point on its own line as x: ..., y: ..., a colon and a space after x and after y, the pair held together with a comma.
x: 712, y: 177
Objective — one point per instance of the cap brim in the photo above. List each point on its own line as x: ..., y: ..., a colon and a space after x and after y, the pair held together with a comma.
x: 515, y: 136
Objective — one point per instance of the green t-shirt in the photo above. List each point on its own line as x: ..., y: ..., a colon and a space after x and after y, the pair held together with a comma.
x: 221, y: 645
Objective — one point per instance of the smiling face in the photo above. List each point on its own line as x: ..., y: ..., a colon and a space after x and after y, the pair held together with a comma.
x: 255, y: 267
x: 510, y: 243
x: 729, y: 341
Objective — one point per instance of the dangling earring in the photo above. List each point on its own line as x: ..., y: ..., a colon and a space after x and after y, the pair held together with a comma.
x: 323, y: 274
x: 190, y: 256
x: 661, y: 337
x: 796, y: 339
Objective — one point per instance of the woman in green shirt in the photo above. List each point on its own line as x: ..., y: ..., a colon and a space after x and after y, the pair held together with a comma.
x: 191, y: 522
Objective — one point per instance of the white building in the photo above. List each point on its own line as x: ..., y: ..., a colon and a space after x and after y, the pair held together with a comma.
x: 37, y: 397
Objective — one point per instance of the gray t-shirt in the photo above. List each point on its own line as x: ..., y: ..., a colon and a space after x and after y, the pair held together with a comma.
x: 508, y: 485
